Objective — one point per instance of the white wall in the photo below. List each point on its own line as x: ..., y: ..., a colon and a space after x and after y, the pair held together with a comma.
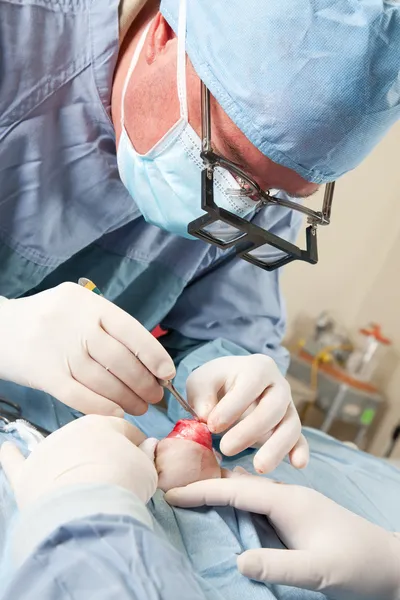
x: 382, y: 304
x: 357, y: 278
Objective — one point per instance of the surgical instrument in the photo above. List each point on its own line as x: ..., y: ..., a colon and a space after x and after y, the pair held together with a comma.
x: 167, y: 384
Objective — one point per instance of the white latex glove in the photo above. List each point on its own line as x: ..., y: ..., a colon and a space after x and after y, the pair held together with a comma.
x: 90, y: 450
x: 251, y: 392
x: 83, y: 350
x: 331, y: 550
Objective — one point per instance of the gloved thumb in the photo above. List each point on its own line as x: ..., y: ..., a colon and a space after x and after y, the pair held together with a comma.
x: 287, y: 567
x: 149, y: 448
x: 11, y: 460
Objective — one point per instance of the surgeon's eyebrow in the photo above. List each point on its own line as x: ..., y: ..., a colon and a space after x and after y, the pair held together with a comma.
x: 237, y: 155
x: 301, y: 196
x: 240, y: 160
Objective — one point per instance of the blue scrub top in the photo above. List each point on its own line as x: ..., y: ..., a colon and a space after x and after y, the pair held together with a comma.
x: 64, y: 213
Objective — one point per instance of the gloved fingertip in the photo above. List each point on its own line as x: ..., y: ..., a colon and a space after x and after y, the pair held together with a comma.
x: 250, y: 565
x: 299, y: 464
x: 214, y: 422
x: 149, y: 448
x: 179, y: 497
x: 211, y: 424
x: 258, y: 467
x: 171, y: 496
x: 166, y: 370
x: 264, y: 463
x: 299, y: 458
x: 226, y: 447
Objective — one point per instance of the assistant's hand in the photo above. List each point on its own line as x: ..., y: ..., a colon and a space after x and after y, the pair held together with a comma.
x: 249, y: 394
x: 83, y: 350
x: 90, y: 450
x: 330, y: 549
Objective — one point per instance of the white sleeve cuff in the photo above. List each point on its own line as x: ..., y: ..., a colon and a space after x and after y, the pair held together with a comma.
x: 38, y: 521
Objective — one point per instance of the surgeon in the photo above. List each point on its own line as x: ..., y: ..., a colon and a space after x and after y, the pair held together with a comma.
x: 83, y: 529
x: 158, y: 149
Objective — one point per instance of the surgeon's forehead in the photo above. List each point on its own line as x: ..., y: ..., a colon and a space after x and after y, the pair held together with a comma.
x: 300, y: 77
x: 229, y: 141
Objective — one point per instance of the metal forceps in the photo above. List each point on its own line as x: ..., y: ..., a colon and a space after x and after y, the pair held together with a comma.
x: 168, y: 385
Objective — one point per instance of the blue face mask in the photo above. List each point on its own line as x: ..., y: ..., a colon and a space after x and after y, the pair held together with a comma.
x: 165, y: 183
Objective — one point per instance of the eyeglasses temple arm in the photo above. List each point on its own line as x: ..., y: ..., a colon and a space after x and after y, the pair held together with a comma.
x: 206, y: 119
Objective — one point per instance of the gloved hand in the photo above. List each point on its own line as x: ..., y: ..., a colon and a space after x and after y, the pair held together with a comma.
x: 330, y: 549
x: 83, y: 350
x: 90, y: 450
x: 251, y: 392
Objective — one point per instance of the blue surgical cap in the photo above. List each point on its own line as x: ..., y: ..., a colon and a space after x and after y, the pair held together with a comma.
x: 313, y: 84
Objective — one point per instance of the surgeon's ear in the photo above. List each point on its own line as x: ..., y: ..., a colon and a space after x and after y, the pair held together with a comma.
x: 159, y: 36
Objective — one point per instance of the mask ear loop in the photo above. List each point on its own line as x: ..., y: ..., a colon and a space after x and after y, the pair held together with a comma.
x: 181, y: 76
x: 181, y: 62
x: 133, y: 64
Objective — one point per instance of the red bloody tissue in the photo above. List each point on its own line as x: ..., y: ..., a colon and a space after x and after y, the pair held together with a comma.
x: 194, y: 431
